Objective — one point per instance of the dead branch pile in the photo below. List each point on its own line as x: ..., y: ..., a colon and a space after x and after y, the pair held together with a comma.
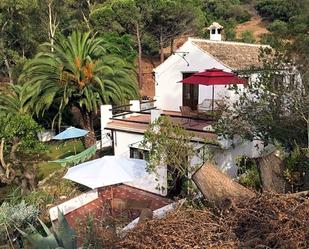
x: 266, y: 221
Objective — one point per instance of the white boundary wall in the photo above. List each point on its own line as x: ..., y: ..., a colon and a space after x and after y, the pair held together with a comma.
x: 73, y: 204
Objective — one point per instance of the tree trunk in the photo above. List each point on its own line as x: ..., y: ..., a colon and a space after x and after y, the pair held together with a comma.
x: 140, y: 67
x: 2, y: 162
x: 172, y: 45
x: 218, y: 187
x: 8, y: 68
x: 87, y: 124
x: 307, y: 121
x: 23, y: 176
x: 161, y: 49
x: 52, y: 24
x: 271, y: 170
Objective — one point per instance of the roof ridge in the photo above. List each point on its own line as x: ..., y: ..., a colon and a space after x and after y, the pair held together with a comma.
x: 192, y: 39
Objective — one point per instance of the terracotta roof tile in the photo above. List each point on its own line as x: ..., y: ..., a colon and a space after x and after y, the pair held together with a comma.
x: 235, y: 55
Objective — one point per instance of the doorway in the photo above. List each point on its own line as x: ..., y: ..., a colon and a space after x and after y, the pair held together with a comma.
x: 190, y: 93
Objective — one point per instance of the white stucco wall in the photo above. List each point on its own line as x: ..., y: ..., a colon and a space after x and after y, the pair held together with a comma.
x: 150, y: 182
x: 169, y: 93
x: 73, y: 204
x: 122, y: 141
x: 226, y: 159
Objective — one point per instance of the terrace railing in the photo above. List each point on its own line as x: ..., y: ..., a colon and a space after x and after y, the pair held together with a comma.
x: 147, y: 105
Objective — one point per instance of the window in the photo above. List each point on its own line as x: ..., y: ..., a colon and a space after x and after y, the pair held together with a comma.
x: 219, y: 31
x: 213, y: 31
x: 139, y: 153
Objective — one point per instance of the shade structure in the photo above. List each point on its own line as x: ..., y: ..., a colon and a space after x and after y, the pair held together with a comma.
x: 213, y: 77
x: 107, y: 171
x: 70, y: 132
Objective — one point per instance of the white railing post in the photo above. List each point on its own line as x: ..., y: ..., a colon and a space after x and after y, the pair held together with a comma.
x: 135, y: 106
x: 106, y: 115
x: 155, y: 114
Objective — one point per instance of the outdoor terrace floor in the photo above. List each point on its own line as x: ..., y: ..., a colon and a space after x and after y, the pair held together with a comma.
x: 139, y: 123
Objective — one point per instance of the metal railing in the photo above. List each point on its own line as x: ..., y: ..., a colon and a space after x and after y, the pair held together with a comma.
x: 147, y: 105
x: 120, y: 109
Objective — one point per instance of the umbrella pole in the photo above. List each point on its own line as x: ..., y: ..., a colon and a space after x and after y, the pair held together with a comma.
x: 213, y: 98
x: 74, y: 146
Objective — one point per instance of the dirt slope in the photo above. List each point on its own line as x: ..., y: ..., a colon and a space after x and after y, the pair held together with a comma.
x: 256, y: 25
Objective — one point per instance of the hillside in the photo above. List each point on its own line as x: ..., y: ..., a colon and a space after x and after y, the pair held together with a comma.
x: 256, y: 25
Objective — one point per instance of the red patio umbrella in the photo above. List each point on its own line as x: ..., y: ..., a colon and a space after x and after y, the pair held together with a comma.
x: 213, y: 77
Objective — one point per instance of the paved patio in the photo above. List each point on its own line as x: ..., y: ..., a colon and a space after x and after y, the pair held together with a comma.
x: 98, y: 209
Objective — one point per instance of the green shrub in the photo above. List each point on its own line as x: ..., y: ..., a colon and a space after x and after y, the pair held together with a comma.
x: 247, y: 36
x: 14, y: 216
x: 248, y: 173
x: 279, y: 9
x: 296, y: 166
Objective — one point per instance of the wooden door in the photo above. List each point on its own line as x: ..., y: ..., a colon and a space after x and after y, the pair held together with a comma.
x: 189, y: 93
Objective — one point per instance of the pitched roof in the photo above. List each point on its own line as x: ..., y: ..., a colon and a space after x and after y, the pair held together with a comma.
x: 235, y: 55
x: 215, y: 25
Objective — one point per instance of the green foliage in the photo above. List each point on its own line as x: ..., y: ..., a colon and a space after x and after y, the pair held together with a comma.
x: 113, y: 16
x: 62, y: 236
x: 123, y: 46
x: 21, y: 129
x: 247, y: 36
x: 14, y: 216
x: 228, y: 13
x: 225, y: 10
x: 81, y: 72
x: 280, y: 9
x: 172, y: 18
x: 248, y: 173
x: 296, y: 166
x: 38, y: 198
x: 277, y: 112
x: 279, y: 27
x: 17, y: 99
x: 160, y: 20
x: 18, y: 32
x: 169, y: 144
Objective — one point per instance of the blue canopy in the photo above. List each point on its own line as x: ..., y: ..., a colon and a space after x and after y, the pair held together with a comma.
x: 70, y: 132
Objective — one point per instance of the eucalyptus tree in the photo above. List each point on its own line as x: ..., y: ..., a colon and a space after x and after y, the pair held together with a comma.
x: 81, y: 74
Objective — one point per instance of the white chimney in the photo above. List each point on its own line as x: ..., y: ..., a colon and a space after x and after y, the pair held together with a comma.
x: 215, y: 30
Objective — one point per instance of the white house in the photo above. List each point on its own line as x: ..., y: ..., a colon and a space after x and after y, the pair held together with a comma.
x: 197, y: 55
x: 127, y: 129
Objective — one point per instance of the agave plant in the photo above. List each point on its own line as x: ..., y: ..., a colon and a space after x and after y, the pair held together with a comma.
x: 61, y: 237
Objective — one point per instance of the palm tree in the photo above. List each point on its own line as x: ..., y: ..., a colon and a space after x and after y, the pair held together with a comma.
x: 17, y: 99
x: 80, y: 74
